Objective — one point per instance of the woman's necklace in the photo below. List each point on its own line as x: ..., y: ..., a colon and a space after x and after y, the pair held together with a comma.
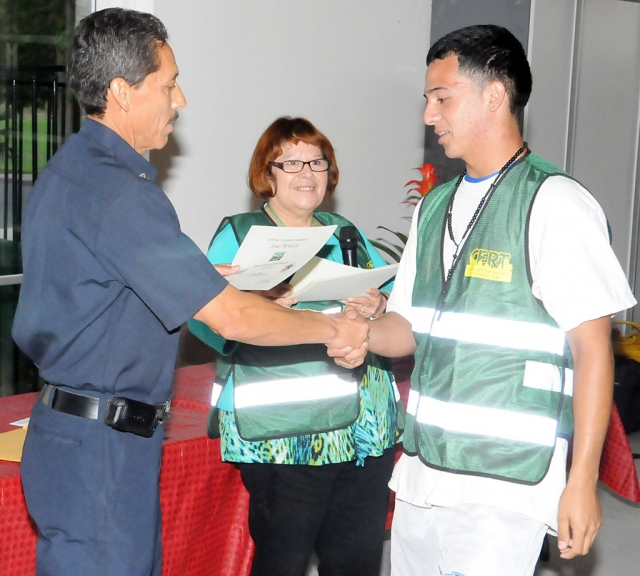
x: 482, y: 202
x: 279, y: 222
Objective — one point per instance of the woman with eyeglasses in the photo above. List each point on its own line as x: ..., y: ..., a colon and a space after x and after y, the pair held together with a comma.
x: 317, y: 466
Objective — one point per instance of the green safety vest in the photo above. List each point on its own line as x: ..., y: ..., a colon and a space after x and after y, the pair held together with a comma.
x: 493, y: 372
x: 282, y: 391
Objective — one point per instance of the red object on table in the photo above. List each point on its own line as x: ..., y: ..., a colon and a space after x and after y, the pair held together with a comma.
x: 204, y: 504
x: 617, y: 466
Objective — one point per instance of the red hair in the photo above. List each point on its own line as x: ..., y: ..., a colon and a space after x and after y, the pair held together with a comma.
x: 269, y: 147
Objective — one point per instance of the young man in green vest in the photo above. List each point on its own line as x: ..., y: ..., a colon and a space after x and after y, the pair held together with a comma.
x: 504, y: 294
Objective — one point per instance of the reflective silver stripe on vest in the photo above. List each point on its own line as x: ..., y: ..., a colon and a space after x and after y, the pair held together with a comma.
x: 215, y: 393
x: 568, y: 382
x: 394, y: 386
x: 486, y: 421
x: 412, y: 402
x: 421, y: 319
x: 478, y: 329
x: 294, y: 390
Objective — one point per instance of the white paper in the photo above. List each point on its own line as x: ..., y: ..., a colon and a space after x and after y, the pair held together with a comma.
x: 322, y: 279
x: 270, y: 254
x: 22, y: 423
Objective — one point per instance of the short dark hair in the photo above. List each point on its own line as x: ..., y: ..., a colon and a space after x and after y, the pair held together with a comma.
x: 112, y: 43
x: 269, y: 147
x: 487, y: 52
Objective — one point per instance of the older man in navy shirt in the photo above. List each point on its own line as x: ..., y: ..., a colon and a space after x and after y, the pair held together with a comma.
x: 108, y: 279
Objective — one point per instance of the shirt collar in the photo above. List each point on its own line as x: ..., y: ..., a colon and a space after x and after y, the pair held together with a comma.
x: 481, y: 179
x: 125, y: 154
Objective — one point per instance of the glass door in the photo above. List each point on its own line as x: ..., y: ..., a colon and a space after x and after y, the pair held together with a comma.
x: 37, y: 112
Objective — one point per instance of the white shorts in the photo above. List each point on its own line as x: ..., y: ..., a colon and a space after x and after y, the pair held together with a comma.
x: 467, y: 540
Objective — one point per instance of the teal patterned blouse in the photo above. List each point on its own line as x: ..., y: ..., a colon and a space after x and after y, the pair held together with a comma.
x: 374, y: 430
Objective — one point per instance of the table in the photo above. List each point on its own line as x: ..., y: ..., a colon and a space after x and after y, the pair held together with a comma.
x: 204, y: 504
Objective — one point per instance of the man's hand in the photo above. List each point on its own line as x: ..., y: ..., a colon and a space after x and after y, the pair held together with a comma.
x: 348, y: 356
x: 579, y: 519
x: 352, y: 335
x: 370, y: 306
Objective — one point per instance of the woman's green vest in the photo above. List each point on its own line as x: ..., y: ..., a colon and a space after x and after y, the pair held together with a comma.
x: 282, y: 391
x: 492, y: 378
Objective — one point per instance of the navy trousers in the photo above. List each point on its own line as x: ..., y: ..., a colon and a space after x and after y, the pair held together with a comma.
x: 338, y: 510
x: 93, y: 493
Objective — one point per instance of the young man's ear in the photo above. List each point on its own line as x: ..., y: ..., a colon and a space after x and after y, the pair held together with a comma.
x: 496, y: 95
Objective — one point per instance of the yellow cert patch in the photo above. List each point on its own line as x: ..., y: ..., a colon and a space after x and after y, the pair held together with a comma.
x: 489, y: 265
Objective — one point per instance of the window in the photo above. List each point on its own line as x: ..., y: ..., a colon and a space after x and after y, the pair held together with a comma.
x: 37, y: 112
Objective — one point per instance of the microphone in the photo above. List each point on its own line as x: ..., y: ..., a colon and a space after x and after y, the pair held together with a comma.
x: 349, y: 245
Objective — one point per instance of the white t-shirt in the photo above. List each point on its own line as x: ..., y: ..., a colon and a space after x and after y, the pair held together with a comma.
x: 577, y: 277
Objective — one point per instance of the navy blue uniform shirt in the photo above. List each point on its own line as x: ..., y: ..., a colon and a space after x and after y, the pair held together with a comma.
x: 108, y: 274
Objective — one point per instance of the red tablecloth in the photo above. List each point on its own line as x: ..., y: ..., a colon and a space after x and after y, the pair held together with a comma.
x: 18, y: 535
x: 204, y: 504
x: 192, y: 387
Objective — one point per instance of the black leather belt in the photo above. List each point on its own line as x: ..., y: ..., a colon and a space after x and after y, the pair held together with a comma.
x: 70, y: 402
x: 122, y: 414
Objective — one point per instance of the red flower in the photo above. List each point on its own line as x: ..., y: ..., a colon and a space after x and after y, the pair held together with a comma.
x: 424, y: 186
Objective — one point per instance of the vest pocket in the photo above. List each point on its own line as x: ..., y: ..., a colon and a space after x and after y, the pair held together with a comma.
x: 541, y: 385
x: 542, y: 376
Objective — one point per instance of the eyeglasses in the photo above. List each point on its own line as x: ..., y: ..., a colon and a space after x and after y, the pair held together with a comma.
x: 293, y: 166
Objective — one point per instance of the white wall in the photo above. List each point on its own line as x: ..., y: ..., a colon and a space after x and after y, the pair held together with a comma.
x: 550, y: 53
x: 355, y: 69
x: 584, y: 110
x: 606, y: 138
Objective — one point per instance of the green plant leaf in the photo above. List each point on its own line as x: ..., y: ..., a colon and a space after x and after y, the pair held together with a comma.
x: 390, y: 251
x: 402, y: 237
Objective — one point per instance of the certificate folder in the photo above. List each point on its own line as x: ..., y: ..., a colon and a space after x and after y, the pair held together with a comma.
x: 270, y: 254
x: 322, y: 279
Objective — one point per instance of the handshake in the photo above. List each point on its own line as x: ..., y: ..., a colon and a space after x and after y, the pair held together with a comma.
x: 350, y: 344
x: 252, y: 320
